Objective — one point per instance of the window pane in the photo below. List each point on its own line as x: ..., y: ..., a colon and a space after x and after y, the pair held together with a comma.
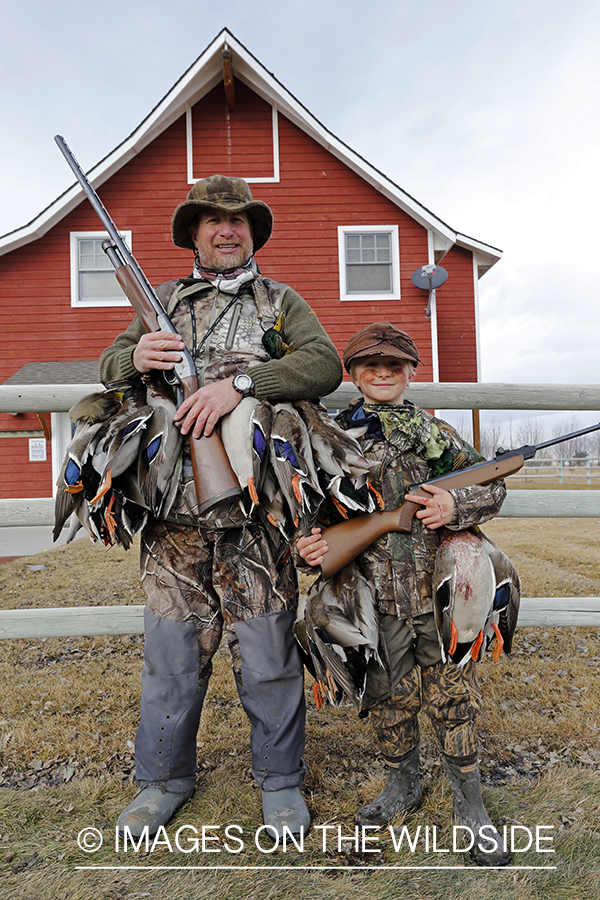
x: 368, y: 256
x: 368, y: 240
x: 353, y: 256
x: 352, y: 241
x: 382, y: 240
x: 102, y: 261
x: 99, y: 286
x: 369, y: 279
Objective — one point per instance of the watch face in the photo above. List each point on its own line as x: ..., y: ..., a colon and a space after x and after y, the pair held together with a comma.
x: 243, y: 383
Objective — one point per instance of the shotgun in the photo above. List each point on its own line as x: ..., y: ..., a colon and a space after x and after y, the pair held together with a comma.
x: 214, y: 478
x: 351, y: 537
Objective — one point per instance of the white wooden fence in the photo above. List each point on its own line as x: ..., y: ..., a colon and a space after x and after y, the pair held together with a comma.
x: 562, y: 469
x: 584, y: 611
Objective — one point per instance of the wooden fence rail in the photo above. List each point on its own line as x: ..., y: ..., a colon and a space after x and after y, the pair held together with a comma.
x: 89, y: 621
x: 536, y: 611
x: 449, y: 395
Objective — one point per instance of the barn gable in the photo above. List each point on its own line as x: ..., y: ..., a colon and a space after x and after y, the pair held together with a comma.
x: 319, y: 190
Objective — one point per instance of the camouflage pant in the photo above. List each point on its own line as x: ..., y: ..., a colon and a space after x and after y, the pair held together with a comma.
x: 419, y: 679
x: 215, y: 579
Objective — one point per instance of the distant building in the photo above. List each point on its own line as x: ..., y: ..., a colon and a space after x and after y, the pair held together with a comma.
x: 346, y: 238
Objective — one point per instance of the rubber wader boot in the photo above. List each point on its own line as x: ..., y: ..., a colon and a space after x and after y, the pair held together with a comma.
x: 488, y: 847
x: 285, y: 809
x: 152, y: 807
x: 402, y: 792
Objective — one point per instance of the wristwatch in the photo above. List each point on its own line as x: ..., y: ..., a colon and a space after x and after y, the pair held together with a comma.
x: 243, y: 384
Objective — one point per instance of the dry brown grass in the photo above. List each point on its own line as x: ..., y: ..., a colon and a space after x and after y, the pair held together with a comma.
x: 69, y: 712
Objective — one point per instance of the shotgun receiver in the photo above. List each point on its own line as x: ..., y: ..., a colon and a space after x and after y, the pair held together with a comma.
x: 348, y: 539
x: 214, y: 478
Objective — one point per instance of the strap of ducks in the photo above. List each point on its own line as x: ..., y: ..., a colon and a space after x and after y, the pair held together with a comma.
x: 125, y: 462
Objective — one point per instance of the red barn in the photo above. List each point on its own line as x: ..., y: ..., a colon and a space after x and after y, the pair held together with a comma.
x: 346, y: 238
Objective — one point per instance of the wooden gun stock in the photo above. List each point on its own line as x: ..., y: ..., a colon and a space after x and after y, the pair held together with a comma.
x: 214, y: 479
x: 350, y: 538
x: 137, y: 298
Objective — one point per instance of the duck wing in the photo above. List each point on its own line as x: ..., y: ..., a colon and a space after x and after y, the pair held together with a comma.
x: 293, y: 465
x: 160, y: 461
x: 507, y: 596
x: 70, y: 489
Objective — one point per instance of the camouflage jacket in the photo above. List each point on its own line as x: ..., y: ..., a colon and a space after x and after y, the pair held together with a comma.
x: 311, y: 371
x: 400, y: 566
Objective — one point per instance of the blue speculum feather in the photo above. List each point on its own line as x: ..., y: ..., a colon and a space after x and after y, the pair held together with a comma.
x: 284, y: 450
x: 323, y: 635
x: 502, y: 597
x: 131, y: 427
x: 259, y: 443
x: 152, y: 448
x: 72, y: 472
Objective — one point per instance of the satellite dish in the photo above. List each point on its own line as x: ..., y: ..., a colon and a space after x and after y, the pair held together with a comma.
x: 429, y: 277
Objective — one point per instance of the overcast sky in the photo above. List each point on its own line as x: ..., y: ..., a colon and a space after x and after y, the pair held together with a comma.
x: 485, y: 112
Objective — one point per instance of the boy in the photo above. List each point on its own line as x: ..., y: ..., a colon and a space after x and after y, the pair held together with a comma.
x: 410, y: 445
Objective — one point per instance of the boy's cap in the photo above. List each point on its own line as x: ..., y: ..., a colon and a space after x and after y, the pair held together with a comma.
x: 380, y: 339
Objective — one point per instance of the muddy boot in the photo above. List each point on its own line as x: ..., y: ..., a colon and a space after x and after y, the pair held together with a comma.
x: 285, y: 809
x: 402, y: 792
x: 488, y: 847
x: 152, y: 807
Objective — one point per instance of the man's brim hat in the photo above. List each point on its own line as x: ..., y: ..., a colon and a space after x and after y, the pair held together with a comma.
x: 380, y: 339
x: 230, y: 195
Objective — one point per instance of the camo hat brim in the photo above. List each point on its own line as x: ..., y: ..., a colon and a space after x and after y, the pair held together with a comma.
x: 380, y: 339
x: 227, y: 194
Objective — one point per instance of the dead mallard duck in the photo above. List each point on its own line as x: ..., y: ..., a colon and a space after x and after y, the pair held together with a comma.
x: 343, y: 470
x: 476, y: 592
x: 337, y: 627
x: 294, y: 467
x: 159, y: 459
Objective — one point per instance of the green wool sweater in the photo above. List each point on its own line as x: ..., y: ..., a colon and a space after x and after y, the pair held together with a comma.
x: 312, y: 370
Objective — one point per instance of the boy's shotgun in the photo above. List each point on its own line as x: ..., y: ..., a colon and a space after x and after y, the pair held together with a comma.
x: 348, y: 539
x: 214, y: 478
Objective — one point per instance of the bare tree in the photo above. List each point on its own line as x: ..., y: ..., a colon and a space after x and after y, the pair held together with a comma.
x: 578, y: 447
x: 530, y: 431
x: 492, y: 437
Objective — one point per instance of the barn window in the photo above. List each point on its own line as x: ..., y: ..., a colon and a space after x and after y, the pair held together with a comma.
x: 93, y: 281
x: 369, y: 262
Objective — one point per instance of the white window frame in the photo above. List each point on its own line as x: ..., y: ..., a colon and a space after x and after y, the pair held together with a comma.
x: 392, y: 230
x: 75, y: 237
x: 263, y: 179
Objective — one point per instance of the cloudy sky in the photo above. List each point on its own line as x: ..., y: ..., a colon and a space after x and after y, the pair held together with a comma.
x: 487, y: 113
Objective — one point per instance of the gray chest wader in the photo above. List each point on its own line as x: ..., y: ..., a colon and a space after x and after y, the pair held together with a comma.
x: 271, y: 693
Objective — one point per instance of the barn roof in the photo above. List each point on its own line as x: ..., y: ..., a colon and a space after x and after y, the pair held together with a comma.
x: 201, y: 77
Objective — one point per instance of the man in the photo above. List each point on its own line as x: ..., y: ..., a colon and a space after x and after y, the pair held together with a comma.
x: 203, y: 572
